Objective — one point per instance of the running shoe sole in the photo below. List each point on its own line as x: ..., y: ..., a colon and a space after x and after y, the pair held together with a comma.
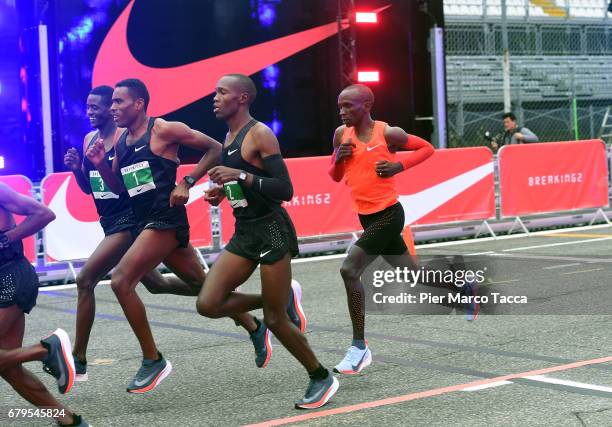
x: 297, y: 304
x: 268, y: 348
x: 66, y: 349
x: 364, y: 364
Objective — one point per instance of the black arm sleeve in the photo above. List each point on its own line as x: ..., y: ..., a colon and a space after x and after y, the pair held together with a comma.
x: 278, y: 186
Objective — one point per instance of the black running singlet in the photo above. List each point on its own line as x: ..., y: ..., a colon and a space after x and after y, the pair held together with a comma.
x: 107, y: 203
x: 149, y: 179
x: 258, y: 204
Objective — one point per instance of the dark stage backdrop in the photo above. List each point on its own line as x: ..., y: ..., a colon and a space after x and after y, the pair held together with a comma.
x: 297, y: 96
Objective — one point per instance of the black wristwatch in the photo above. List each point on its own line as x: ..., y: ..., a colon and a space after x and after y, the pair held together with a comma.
x: 4, y: 241
x: 189, y: 180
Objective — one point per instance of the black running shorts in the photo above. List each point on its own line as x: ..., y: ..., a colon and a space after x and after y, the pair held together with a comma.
x: 382, y: 232
x: 119, y: 222
x: 266, y: 239
x: 173, y: 218
x: 18, y: 284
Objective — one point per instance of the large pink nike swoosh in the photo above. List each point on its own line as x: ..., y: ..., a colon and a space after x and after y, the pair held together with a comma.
x: 173, y: 88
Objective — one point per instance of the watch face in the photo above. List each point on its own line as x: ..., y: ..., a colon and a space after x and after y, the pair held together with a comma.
x: 242, y: 176
x: 189, y: 180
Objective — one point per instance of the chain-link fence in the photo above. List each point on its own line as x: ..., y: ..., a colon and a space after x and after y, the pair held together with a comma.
x: 560, y: 85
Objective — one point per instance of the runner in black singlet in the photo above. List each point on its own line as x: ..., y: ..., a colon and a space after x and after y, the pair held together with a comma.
x: 145, y: 166
x: 255, y: 180
x: 116, y: 218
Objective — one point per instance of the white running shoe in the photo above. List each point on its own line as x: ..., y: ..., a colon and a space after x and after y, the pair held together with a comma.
x: 354, y: 361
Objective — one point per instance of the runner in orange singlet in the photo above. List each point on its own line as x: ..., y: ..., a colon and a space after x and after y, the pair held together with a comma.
x: 364, y: 154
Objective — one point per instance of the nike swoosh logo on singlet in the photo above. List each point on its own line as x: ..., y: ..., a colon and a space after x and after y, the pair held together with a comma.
x: 371, y: 148
x: 139, y: 148
x: 114, y: 61
x: 111, y: 157
x: 230, y: 152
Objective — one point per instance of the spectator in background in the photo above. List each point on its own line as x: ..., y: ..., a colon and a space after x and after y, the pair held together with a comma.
x: 513, y: 134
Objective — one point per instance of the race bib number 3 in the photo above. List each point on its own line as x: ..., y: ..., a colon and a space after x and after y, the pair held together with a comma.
x: 98, y: 188
x: 138, y: 178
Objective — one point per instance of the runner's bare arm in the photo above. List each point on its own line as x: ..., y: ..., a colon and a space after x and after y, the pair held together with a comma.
x: 37, y: 215
x: 398, y: 140
x: 182, y: 134
x: 341, y: 152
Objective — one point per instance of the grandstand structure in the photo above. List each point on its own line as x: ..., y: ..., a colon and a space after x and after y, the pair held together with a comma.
x: 560, y: 51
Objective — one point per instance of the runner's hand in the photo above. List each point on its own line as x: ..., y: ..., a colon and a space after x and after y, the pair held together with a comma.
x: 214, y: 195
x: 180, y: 194
x: 222, y: 174
x: 96, y: 153
x: 72, y: 159
x: 344, y: 150
x: 385, y: 169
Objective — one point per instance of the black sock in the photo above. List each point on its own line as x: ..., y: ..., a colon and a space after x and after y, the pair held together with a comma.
x: 319, y: 374
x: 258, y: 323
x: 160, y: 356
x: 76, y: 359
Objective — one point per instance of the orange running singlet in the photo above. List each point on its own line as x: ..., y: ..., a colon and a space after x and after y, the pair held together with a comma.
x: 370, y: 192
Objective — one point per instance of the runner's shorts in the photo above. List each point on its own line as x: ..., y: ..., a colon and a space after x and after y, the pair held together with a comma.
x: 175, y: 218
x: 119, y: 222
x: 382, y: 232
x: 18, y: 284
x: 265, y: 240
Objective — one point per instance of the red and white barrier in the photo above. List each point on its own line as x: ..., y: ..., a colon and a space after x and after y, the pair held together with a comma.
x: 553, y: 176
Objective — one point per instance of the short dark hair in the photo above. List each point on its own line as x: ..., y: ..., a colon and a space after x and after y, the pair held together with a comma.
x: 137, y: 89
x: 246, y: 85
x: 105, y: 92
x: 510, y: 116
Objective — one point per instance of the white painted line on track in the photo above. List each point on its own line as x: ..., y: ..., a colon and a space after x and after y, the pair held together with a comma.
x: 552, y: 267
x: 581, y: 271
x: 485, y: 386
x: 550, y: 380
x: 575, y: 242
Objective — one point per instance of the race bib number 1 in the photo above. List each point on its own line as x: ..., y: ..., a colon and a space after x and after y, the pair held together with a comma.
x: 138, y: 178
x: 98, y: 188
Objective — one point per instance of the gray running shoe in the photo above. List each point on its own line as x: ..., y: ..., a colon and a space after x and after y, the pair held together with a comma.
x: 150, y: 374
x: 59, y: 362
x: 318, y: 393
x: 262, y: 341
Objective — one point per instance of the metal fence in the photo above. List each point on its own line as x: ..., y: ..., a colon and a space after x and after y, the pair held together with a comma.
x: 560, y: 84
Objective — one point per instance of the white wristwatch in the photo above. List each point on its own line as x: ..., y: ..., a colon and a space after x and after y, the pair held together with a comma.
x: 242, y: 176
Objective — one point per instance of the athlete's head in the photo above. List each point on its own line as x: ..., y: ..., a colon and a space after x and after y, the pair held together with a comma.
x: 99, y: 103
x: 233, y: 93
x: 130, y: 100
x: 355, y: 102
